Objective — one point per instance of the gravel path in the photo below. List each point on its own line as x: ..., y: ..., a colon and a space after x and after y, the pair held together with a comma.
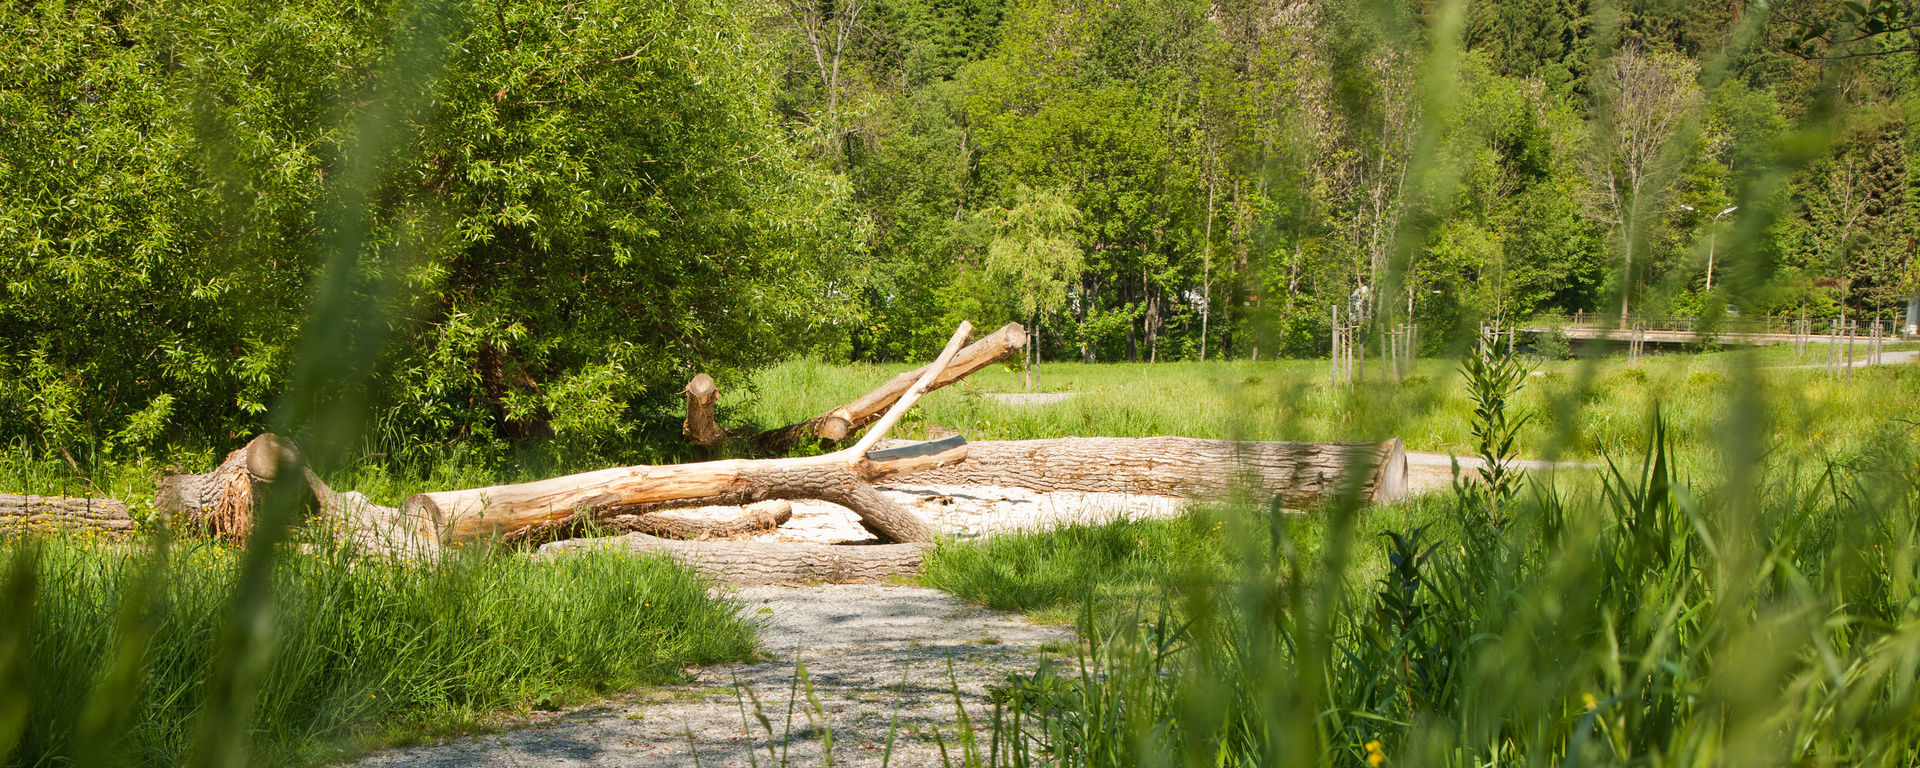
x: 867, y: 649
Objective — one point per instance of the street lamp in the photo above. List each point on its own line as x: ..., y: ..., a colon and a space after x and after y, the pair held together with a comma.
x: 1713, y: 235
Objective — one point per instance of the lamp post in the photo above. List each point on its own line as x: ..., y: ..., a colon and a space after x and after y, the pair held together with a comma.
x: 1713, y: 236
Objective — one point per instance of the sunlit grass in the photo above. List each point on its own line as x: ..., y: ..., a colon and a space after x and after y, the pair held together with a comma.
x: 368, y: 651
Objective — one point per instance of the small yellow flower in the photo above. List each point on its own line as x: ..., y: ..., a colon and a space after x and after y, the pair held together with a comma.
x: 1592, y: 703
x: 1373, y: 746
x: 1376, y: 759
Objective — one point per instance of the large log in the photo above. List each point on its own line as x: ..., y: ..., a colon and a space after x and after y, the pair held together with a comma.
x: 842, y: 477
x: 701, y: 426
x: 835, y: 425
x: 766, y: 562
x: 222, y: 502
x: 43, y: 514
x: 1298, y: 473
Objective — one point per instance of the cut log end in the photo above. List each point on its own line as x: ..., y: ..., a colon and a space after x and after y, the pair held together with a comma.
x: 702, y: 427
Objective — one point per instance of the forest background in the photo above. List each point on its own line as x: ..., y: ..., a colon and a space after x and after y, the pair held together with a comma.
x: 548, y: 215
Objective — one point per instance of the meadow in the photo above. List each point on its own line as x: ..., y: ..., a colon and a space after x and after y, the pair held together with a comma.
x: 1734, y: 582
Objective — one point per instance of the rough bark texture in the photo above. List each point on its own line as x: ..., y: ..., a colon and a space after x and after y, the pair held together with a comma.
x: 24, y: 514
x: 751, y: 520
x: 1300, y: 474
x: 540, y: 509
x: 767, y: 563
x: 701, y: 427
x: 835, y: 425
x: 221, y: 502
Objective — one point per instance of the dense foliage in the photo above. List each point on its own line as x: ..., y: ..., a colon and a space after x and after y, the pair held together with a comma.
x: 574, y: 205
x: 555, y: 212
x: 1241, y: 167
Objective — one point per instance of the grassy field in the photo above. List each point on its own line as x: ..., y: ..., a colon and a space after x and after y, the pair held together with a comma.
x: 1583, y: 409
x: 123, y: 644
x: 1742, y: 591
x: 1757, y: 606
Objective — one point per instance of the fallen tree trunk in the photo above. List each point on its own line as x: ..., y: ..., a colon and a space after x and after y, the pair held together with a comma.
x: 701, y: 426
x: 835, y: 425
x: 752, y: 520
x: 1298, y: 473
x: 223, y: 502
x: 536, y: 508
x: 541, y: 508
x: 766, y: 563
x: 68, y: 514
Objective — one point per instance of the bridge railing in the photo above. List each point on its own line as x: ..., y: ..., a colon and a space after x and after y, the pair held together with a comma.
x: 1766, y: 324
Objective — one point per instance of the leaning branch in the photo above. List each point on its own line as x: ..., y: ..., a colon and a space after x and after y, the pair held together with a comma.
x: 835, y: 425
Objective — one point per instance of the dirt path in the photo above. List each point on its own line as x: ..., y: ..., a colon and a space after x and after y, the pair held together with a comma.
x: 867, y: 648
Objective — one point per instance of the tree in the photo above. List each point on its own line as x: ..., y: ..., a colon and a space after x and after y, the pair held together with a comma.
x: 1645, y: 101
x: 1034, y: 254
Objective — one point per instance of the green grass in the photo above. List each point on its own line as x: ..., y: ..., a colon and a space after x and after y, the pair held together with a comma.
x: 113, y: 645
x: 1584, y: 409
x: 1653, y: 619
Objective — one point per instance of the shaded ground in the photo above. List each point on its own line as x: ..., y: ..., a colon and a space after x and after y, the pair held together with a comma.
x: 873, y: 653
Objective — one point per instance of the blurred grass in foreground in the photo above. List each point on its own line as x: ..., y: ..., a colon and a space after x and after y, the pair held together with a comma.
x: 113, y: 646
x: 1761, y: 614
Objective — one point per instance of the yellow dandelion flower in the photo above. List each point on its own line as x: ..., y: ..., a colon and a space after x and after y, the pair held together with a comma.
x: 1373, y: 746
x: 1375, y: 759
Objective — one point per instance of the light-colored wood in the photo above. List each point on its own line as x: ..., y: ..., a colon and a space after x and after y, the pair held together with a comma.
x: 701, y: 426
x: 751, y: 520
x: 841, y: 477
x: 912, y: 395
x: 67, y: 514
x: 1300, y: 474
x: 765, y: 562
x: 835, y: 425
x: 222, y: 502
x: 505, y: 510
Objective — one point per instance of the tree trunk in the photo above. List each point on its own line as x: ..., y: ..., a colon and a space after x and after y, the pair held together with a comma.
x: 541, y: 508
x: 1299, y: 474
x: 766, y: 562
x: 530, y: 509
x: 29, y: 514
x: 701, y: 427
x: 222, y: 502
x: 835, y: 425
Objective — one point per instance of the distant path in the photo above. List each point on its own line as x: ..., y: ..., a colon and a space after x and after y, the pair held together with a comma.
x: 860, y: 643
x: 1899, y: 357
x: 1428, y: 472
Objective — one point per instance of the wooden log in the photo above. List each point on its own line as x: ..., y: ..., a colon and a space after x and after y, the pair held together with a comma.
x: 222, y: 502
x: 701, y: 426
x: 1299, y: 473
x: 752, y: 520
x: 66, y: 514
x: 765, y: 562
x: 842, y: 477
x: 835, y: 425
x: 506, y: 510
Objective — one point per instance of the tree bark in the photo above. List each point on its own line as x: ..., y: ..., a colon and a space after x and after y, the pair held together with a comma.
x: 753, y: 519
x: 701, y: 426
x: 531, y: 510
x: 29, y: 514
x: 835, y: 425
x: 763, y: 562
x: 222, y: 502
x: 1299, y: 474
x: 841, y: 477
